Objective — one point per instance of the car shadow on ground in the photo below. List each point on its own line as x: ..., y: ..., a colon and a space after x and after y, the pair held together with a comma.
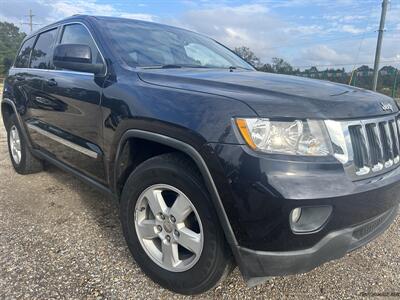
x: 100, y: 206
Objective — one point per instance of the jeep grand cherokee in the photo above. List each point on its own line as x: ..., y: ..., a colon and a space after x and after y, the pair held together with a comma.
x: 212, y: 163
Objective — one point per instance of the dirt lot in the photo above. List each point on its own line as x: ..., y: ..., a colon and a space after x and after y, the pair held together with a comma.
x: 62, y: 239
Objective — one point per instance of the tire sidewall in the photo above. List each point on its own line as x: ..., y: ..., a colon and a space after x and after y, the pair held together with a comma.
x: 19, y: 167
x: 199, y: 274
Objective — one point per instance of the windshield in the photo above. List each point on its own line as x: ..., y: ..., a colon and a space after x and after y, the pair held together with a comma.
x: 143, y: 44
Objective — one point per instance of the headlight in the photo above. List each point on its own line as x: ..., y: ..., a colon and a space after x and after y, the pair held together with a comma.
x: 296, y: 137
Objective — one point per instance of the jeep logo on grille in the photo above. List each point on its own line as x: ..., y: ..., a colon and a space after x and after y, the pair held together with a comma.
x: 386, y: 106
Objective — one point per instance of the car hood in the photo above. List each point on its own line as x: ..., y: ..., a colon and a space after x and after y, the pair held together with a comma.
x: 273, y: 95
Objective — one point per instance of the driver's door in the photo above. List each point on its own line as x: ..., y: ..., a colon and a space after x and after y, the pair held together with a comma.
x: 66, y: 116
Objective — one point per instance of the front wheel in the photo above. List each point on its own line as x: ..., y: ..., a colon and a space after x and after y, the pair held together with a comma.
x: 171, y: 227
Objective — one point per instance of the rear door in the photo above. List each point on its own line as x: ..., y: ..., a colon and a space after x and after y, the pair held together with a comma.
x: 65, y: 117
x: 25, y: 85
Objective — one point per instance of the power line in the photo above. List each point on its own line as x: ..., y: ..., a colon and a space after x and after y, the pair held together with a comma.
x: 30, y: 23
x: 359, y: 48
x: 353, y: 37
x: 343, y: 65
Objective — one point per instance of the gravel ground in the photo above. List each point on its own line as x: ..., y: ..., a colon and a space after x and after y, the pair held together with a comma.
x: 62, y: 239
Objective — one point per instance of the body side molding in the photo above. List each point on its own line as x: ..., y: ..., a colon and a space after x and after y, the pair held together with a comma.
x: 64, y: 142
x: 74, y: 172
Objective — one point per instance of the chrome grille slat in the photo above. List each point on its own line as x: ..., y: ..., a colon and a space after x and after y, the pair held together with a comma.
x: 385, y: 147
x: 372, y: 146
x: 368, y: 154
x: 389, y: 145
x: 359, y: 147
x: 378, y: 136
x: 395, y: 138
x: 378, y: 165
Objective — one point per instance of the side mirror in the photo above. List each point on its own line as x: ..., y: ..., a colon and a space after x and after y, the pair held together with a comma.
x: 76, y: 57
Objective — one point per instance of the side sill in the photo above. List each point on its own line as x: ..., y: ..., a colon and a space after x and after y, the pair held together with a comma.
x: 86, y: 179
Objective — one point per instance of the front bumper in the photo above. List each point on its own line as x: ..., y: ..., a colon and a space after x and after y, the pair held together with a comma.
x: 257, y: 265
x: 259, y: 192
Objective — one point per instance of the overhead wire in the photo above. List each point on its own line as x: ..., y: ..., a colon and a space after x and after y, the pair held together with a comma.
x: 359, y: 48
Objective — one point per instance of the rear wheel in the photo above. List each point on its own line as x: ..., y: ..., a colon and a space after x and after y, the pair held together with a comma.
x: 21, y: 157
x: 171, y: 226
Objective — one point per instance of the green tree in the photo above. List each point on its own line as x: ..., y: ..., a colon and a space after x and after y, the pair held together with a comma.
x: 10, y: 40
x: 266, y: 68
x: 281, y: 66
x: 248, y: 55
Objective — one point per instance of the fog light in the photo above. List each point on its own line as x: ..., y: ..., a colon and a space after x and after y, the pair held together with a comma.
x: 295, y: 215
x: 309, y: 219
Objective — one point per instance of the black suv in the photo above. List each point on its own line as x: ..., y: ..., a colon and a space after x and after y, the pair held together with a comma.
x: 211, y: 162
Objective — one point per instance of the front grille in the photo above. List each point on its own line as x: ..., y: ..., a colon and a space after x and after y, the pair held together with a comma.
x: 375, y: 145
x: 366, y: 147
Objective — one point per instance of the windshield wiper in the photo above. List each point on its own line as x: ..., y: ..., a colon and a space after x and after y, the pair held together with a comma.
x: 169, y: 66
x: 175, y: 66
x: 231, y: 68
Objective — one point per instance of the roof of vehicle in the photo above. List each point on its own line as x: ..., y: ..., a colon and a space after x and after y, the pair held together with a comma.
x: 78, y: 17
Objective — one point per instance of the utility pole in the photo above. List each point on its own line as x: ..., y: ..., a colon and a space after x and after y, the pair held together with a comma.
x: 394, y: 91
x: 379, y: 44
x: 30, y: 19
x: 30, y: 23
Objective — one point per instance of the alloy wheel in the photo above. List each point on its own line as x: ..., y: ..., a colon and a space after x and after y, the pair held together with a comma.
x: 169, y: 227
x: 15, y: 144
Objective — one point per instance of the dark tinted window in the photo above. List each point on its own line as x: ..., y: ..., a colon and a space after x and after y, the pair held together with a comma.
x: 78, y: 34
x: 22, y: 60
x: 43, y: 51
x: 150, y: 45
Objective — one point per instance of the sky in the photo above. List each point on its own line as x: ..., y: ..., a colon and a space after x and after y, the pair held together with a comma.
x: 322, y: 33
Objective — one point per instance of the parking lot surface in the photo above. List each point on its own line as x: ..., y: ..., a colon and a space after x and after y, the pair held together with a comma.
x: 61, y: 239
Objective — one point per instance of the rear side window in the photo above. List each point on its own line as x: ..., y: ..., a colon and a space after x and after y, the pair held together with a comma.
x: 78, y: 34
x: 22, y: 60
x: 42, y: 52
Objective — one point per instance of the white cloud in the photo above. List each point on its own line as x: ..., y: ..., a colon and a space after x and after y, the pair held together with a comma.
x: 68, y: 8
x: 144, y: 17
x: 351, y: 29
x: 47, y: 12
x: 304, y: 29
x: 253, y: 26
x: 91, y: 7
x: 324, y: 54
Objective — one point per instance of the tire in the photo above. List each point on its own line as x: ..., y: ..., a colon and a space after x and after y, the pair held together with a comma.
x: 207, y: 269
x: 25, y: 162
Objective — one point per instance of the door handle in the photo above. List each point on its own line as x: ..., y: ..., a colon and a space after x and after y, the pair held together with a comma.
x: 20, y: 78
x: 52, y: 82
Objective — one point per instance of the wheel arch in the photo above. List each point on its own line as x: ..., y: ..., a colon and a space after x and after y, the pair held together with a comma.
x: 189, y: 151
x: 6, y: 111
x: 8, y: 106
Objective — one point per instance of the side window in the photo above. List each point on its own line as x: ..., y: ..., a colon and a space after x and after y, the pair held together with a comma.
x: 78, y: 34
x: 22, y: 60
x: 43, y: 51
